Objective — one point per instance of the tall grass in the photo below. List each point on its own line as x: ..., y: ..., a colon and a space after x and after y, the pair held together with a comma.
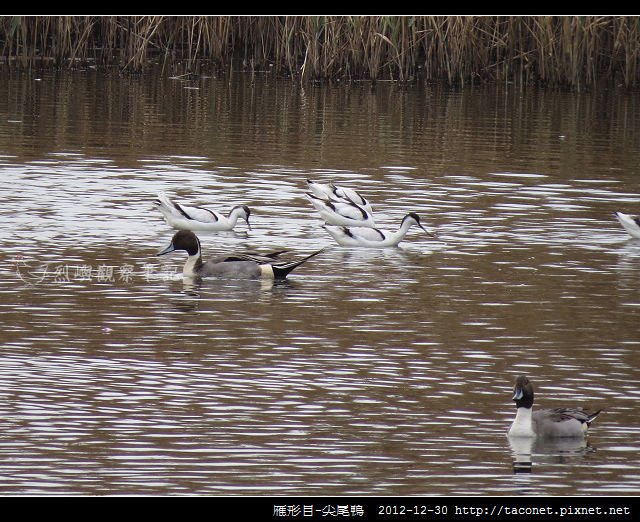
x: 571, y: 51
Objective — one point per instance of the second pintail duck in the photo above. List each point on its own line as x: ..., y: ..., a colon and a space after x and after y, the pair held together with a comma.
x: 375, y: 237
x: 338, y: 193
x: 557, y: 422
x: 183, y: 217
x: 231, y: 266
x: 630, y: 223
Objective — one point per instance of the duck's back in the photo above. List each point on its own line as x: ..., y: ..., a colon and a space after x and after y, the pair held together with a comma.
x: 561, y: 422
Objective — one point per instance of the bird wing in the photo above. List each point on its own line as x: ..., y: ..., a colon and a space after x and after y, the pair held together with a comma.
x: 170, y: 208
x: 346, y: 209
x: 201, y: 214
x: 565, y: 414
x: 350, y: 195
x: 366, y: 234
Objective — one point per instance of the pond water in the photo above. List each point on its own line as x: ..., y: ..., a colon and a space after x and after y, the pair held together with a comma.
x: 367, y: 372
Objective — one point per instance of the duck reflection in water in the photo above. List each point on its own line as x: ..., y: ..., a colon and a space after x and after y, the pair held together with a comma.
x: 527, y: 451
x: 194, y: 290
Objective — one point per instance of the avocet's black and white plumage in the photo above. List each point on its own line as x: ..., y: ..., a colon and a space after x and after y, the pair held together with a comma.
x: 341, y: 213
x: 183, y: 217
x: 375, y: 237
x: 631, y: 223
x: 230, y: 266
x: 557, y: 422
x: 338, y: 193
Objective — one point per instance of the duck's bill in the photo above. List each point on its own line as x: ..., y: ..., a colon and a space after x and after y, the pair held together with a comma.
x: 164, y: 251
x: 248, y: 224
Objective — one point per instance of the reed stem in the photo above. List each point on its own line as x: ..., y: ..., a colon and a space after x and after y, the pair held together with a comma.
x: 565, y: 51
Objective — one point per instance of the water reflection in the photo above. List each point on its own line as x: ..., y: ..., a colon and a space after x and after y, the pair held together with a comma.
x: 368, y: 371
x: 528, y: 453
x: 198, y: 287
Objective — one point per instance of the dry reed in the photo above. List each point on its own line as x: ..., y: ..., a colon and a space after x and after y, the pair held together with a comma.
x: 571, y: 51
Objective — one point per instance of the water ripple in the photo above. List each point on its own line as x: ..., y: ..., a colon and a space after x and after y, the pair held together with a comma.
x: 367, y: 372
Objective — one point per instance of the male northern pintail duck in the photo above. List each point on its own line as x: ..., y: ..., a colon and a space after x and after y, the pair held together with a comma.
x: 232, y: 266
x: 557, y: 422
x: 338, y: 193
x: 374, y: 237
x: 341, y: 213
x: 630, y: 223
x: 183, y: 217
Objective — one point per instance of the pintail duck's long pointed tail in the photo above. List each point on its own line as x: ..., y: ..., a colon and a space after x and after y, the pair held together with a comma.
x: 282, y: 270
x: 592, y: 417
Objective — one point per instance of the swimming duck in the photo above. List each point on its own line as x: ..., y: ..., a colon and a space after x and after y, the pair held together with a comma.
x: 557, y: 422
x: 183, y: 217
x: 341, y: 212
x: 338, y: 193
x: 374, y: 237
x: 630, y: 223
x: 232, y: 266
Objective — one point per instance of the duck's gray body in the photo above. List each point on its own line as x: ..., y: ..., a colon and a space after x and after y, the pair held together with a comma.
x: 232, y: 267
x: 562, y: 422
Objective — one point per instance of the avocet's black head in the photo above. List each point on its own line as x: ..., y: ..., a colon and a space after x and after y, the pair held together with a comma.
x: 183, y: 240
x: 244, y: 212
x: 523, y: 392
x: 414, y: 218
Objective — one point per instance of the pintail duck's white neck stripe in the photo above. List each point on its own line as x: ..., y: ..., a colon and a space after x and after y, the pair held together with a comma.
x: 192, y: 265
x: 523, y: 424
